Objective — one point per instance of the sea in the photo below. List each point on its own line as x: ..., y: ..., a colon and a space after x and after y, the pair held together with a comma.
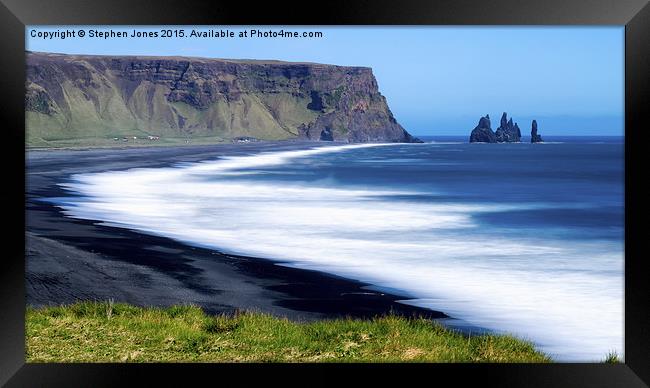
x: 522, y: 239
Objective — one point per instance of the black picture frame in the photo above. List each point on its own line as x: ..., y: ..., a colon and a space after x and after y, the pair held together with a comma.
x: 15, y: 14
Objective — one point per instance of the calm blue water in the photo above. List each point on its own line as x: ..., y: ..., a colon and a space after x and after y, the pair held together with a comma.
x: 517, y: 238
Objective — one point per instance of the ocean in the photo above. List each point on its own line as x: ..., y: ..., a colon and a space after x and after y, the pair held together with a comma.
x: 525, y: 239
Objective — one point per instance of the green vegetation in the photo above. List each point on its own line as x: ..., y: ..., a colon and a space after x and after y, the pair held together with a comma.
x: 90, y: 109
x: 332, y: 99
x: 108, y: 332
x: 268, y: 117
x: 110, y: 142
x: 612, y: 358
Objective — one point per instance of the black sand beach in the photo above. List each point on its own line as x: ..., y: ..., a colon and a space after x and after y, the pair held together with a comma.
x: 69, y: 260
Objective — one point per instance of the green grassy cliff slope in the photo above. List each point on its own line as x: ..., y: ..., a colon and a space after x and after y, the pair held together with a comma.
x: 103, y: 332
x: 79, y: 99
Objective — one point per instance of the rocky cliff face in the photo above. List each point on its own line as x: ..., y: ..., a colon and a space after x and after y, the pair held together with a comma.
x: 507, y: 131
x: 534, y: 136
x: 77, y: 97
x: 483, y: 133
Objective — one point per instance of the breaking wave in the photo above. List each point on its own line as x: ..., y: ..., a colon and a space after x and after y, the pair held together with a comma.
x: 566, y: 297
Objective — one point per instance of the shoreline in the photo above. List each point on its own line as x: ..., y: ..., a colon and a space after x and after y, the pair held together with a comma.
x: 70, y: 259
x: 168, y: 145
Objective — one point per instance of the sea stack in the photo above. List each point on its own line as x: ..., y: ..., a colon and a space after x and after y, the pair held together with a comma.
x: 508, y: 132
x: 534, y: 137
x: 483, y: 133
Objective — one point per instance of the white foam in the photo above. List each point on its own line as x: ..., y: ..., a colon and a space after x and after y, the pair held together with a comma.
x: 568, y: 299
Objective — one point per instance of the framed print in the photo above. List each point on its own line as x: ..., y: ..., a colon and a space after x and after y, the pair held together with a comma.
x: 376, y: 189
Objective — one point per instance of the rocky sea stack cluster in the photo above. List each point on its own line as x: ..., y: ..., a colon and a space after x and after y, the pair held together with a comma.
x: 508, y: 131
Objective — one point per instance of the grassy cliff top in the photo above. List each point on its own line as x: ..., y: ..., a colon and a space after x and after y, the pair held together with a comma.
x: 63, y: 56
x: 107, y: 332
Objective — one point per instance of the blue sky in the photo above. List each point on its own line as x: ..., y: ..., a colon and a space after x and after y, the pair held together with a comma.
x: 437, y: 80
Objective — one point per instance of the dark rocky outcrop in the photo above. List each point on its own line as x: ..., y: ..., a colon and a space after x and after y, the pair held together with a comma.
x: 534, y: 136
x: 483, y: 133
x: 326, y: 135
x: 508, y: 132
x: 84, y: 96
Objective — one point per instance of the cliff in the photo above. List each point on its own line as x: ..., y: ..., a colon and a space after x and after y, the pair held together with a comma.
x: 80, y: 97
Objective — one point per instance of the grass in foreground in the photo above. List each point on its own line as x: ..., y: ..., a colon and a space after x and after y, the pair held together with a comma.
x: 107, y: 332
x: 612, y: 358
